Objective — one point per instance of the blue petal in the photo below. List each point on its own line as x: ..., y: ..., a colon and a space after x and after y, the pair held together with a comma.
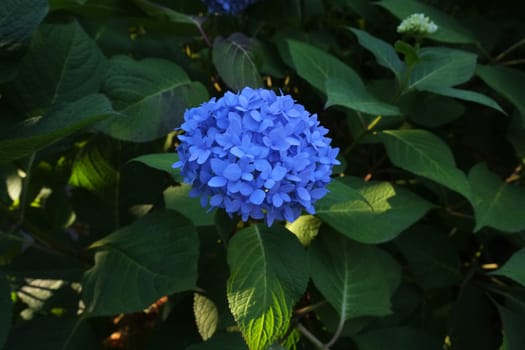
x: 232, y: 172
x: 217, y: 181
x: 257, y: 197
x: 303, y: 194
x: 278, y: 173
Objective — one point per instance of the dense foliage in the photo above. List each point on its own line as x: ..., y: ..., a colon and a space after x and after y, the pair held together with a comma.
x: 419, y: 242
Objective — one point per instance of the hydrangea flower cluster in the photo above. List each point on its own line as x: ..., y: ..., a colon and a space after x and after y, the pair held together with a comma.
x: 417, y: 24
x: 232, y: 7
x: 256, y: 154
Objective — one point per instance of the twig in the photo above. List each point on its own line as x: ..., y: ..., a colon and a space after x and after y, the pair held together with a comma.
x: 312, y: 338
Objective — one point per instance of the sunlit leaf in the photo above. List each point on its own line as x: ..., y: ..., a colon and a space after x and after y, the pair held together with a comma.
x: 206, y: 315
x: 267, y: 279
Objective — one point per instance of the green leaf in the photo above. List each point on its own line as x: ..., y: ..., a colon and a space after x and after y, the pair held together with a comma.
x: 237, y: 61
x: 344, y: 93
x: 6, y: 305
x: 513, y: 335
x: 350, y: 276
x: 441, y: 67
x: 513, y: 268
x: 450, y: 30
x: 177, y: 198
x: 63, y: 65
x: 496, y: 203
x: 426, y: 155
x: 305, y: 228
x: 18, y: 20
x: 317, y: 67
x: 430, y: 110
x: 163, y: 162
x: 468, y: 95
x: 402, y: 338
x: 431, y: 256
x: 516, y: 136
x: 153, y: 93
x: 156, y: 10
x: 409, y: 51
x: 53, y: 333
x: 136, y: 265
x: 206, y: 315
x: 230, y: 341
x: 384, y: 53
x: 510, y: 83
x: 267, y: 279
x: 385, y: 212
x: 61, y: 121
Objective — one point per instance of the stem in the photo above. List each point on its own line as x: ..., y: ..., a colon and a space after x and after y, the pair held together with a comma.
x: 509, y: 50
x: 337, y: 333
x: 513, y: 62
x: 310, y: 308
x: 312, y: 338
x: 198, y: 24
x: 363, y: 133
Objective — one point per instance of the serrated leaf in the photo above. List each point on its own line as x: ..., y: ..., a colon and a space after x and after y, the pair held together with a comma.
x: 431, y: 257
x: 513, y: 267
x: 401, y: 338
x: 163, y: 162
x: 153, y: 93
x: 61, y: 121
x: 267, y: 279
x: 426, y: 155
x: 63, y: 65
x: 513, y: 335
x: 441, y: 67
x: 177, y: 198
x: 350, y: 276
x: 467, y: 95
x: 305, y: 228
x: 384, y: 53
x: 206, y: 315
x: 345, y: 94
x: 385, y: 212
x: 6, y: 305
x: 496, y: 203
x: 236, y: 59
x: 450, y: 30
x: 18, y: 20
x: 510, y: 83
x: 138, y: 264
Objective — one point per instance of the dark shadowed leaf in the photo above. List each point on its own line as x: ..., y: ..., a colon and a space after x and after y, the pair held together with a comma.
x: 177, y: 198
x: 509, y: 82
x: 237, y: 61
x: 63, y: 65
x: 52, y: 333
x: 350, y: 276
x: 384, y: 53
x: 440, y: 68
x: 385, y: 212
x: 513, y: 335
x: 402, y: 338
x: 426, y: 155
x: 430, y: 110
x: 513, y: 268
x: 468, y: 95
x: 18, y: 20
x: 268, y: 277
x: 156, y: 10
x: 431, y: 256
x: 496, y: 203
x: 6, y: 305
x: 136, y: 265
x: 153, y: 94
x: 61, y: 121
x: 230, y: 341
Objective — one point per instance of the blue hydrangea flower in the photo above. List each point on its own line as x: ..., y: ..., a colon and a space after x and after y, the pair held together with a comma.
x: 232, y: 7
x: 256, y: 154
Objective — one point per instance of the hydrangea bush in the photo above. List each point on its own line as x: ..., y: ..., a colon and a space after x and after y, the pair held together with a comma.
x: 256, y: 154
x: 214, y: 174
